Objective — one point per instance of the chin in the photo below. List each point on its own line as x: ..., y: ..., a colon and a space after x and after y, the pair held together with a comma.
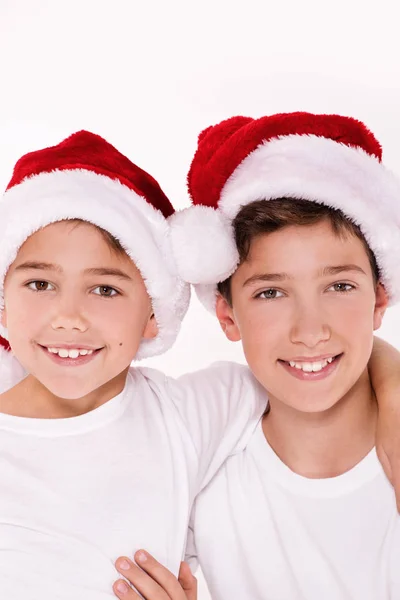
x: 69, y: 390
x: 316, y: 407
x: 313, y: 405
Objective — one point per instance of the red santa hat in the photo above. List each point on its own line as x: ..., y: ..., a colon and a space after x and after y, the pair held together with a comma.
x: 328, y: 159
x: 85, y: 177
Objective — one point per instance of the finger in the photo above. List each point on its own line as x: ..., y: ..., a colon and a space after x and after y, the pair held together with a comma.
x: 124, y: 591
x: 161, y: 574
x: 188, y: 581
x: 144, y: 583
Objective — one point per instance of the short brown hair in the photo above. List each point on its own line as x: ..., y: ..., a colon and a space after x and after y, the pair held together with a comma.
x: 263, y: 217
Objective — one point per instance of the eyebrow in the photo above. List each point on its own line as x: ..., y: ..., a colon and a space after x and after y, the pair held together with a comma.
x: 266, y: 277
x: 39, y: 266
x: 341, y: 269
x: 108, y: 272
x: 332, y: 270
x: 99, y: 271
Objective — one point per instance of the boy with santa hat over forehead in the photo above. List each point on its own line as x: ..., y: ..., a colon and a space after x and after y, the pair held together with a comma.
x: 97, y: 458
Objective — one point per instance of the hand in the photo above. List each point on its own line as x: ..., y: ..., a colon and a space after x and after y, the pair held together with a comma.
x: 153, y: 581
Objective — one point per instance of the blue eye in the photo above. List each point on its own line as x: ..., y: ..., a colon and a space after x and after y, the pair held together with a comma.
x: 106, y: 291
x: 40, y: 286
x: 269, y: 294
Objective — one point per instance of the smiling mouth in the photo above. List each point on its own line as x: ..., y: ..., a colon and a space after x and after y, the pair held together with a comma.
x: 71, y: 353
x: 312, y: 366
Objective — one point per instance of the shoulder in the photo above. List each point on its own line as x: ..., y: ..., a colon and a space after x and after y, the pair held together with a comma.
x: 219, y: 373
x: 148, y: 374
x: 148, y: 380
x: 220, y: 383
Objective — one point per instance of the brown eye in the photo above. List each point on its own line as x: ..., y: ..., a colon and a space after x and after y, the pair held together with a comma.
x: 106, y: 291
x: 40, y: 286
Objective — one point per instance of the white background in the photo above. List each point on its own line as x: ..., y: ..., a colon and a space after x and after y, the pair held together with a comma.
x: 150, y: 75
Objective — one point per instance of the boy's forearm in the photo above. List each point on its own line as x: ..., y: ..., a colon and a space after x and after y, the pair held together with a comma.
x: 384, y: 370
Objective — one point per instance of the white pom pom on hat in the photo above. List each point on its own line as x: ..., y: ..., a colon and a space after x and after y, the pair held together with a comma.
x: 203, y: 245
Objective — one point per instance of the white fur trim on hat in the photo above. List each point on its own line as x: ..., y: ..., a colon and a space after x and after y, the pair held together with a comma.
x: 142, y: 230
x: 321, y: 170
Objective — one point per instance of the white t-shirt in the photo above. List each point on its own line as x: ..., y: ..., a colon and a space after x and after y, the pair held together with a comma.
x: 262, y: 532
x: 76, y: 493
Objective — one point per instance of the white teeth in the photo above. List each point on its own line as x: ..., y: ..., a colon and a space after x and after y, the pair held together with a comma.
x: 317, y: 366
x: 311, y: 367
x: 69, y: 353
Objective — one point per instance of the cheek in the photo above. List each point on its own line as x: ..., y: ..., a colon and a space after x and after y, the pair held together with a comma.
x: 24, y: 313
x: 353, y: 327
x: 22, y: 327
x: 354, y: 318
x: 263, y: 327
x: 124, y: 321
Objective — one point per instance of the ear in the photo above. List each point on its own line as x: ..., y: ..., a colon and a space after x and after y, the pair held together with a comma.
x: 226, y: 319
x: 381, y: 303
x: 151, y: 329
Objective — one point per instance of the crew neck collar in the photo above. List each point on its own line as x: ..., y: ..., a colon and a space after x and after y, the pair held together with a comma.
x: 93, y: 419
x: 367, y: 469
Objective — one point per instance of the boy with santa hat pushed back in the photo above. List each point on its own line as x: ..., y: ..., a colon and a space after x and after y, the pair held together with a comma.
x: 298, y: 224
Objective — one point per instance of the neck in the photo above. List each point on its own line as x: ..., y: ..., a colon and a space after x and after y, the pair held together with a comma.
x: 327, y: 444
x: 31, y: 399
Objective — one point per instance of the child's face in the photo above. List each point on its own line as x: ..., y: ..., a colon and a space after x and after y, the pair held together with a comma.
x: 304, y: 297
x: 67, y: 290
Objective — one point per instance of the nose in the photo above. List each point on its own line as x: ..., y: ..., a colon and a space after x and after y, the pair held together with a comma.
x: 310, y: 327
x: 69, y: 315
